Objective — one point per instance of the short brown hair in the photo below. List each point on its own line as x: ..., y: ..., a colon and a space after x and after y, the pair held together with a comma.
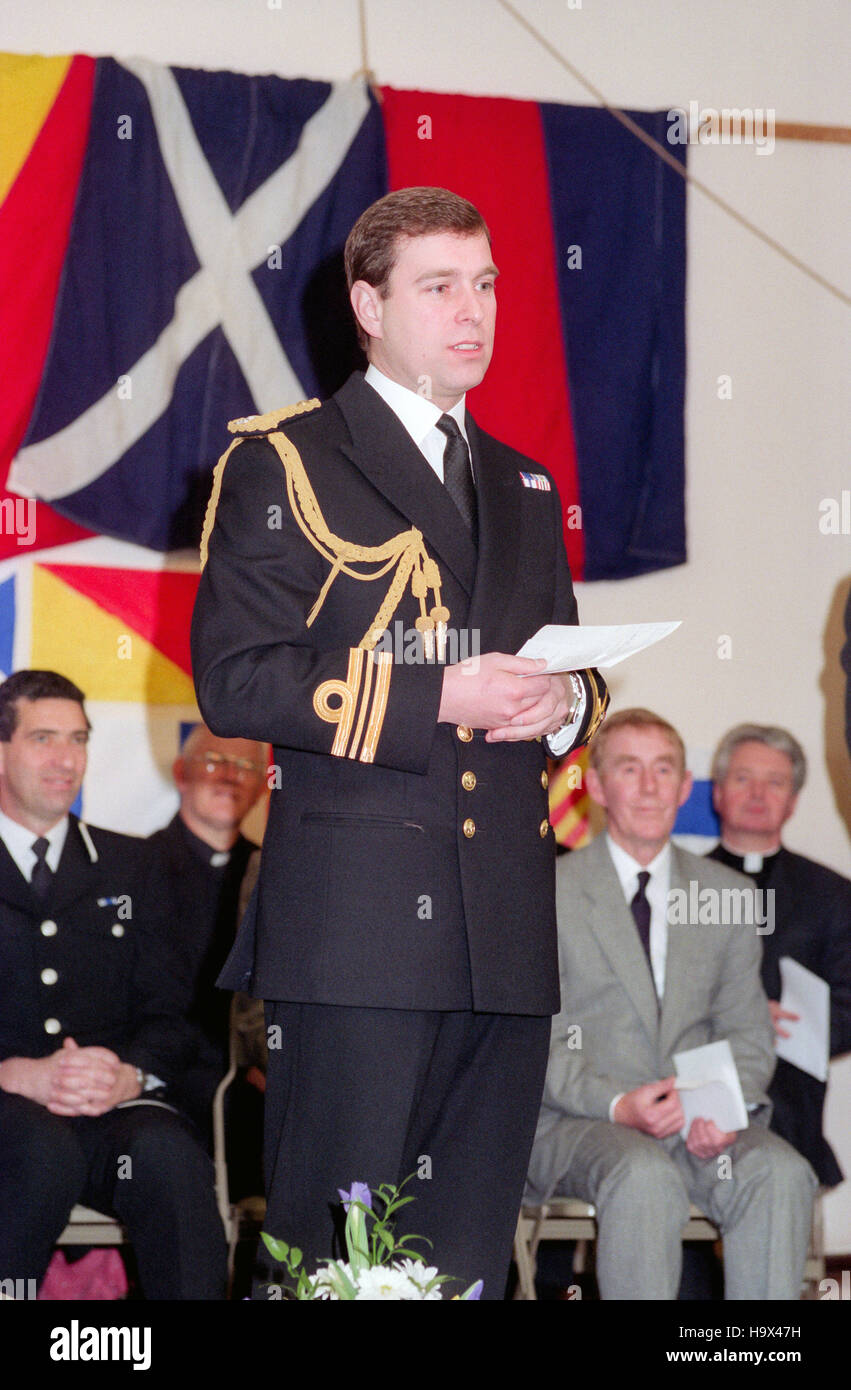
x: 631, y: 719
x: 372, y: 245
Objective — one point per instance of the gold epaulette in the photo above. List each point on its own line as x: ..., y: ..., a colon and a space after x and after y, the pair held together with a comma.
x: 246, y: 427
x: 262, y: 424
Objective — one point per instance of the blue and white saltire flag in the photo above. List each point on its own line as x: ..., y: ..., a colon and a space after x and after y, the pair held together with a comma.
x: 211, y: 216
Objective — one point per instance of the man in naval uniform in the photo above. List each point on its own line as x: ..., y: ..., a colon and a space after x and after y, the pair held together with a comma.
x: 403, y: 930
x: 91, y: 1028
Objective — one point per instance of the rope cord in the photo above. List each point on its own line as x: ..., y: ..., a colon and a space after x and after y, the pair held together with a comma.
x: 671, y: 160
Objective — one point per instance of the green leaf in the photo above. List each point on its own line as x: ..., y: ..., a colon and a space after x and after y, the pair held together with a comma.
x: 406, y: 1251
x: 340, y: 1281
x: 405, y: 1247
x: 403, y: 1202
x: 295, y: 1257
x: 278, y: 1249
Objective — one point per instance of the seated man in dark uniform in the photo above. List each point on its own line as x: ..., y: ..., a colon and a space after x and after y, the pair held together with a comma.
x: 758, y: 772
x: 205, y: 857
x: 91, y: 1029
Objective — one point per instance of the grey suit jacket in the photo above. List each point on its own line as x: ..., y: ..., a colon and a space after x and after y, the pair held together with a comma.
x: 712, y: 990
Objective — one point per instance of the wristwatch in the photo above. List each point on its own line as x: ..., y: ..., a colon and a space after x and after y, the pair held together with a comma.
x: 578, y: 692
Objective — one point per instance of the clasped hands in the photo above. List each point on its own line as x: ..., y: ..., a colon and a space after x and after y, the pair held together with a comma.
x: 655, y: 1109
x: 502, y: 694
x: 73, y: 1080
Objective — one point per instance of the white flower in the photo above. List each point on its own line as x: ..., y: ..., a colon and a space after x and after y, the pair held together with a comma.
x: 403, y: 1281
x: 420, y: 1275
x: 386, y: 1282
x: 322, y: 1281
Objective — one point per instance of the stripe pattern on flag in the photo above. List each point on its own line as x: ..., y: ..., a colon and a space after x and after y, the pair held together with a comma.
x: 569, y: 801
x: 472, y: 144
x: 237, y: 217
x: 34, y: 235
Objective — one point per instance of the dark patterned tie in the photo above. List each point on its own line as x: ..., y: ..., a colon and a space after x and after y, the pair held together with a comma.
x: 457, y: 474
x: 42, y: 874
x: 640, y: 909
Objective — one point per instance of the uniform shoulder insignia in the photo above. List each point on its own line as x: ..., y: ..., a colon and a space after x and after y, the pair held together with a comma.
x: 246, y: 427
x: 262, y: 424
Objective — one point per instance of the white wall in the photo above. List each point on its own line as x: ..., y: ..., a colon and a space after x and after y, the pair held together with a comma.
x: 760, y: 570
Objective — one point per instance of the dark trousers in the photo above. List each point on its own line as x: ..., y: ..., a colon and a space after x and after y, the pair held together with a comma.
x: 143, y: 1164
x: 374, y: 1095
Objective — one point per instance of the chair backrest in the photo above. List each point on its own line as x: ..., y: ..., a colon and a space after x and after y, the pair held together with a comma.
x: 247, y: 1048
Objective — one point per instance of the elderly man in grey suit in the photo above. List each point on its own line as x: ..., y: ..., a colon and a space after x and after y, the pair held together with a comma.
x: 639, y: 985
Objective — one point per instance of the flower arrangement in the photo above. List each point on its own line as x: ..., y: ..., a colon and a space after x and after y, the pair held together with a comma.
x: 379, y: 1266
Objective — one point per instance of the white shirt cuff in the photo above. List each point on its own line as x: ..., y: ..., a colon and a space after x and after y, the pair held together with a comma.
x: 562, y: 739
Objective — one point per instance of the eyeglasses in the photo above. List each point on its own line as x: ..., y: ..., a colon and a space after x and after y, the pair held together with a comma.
x: 243, y: 767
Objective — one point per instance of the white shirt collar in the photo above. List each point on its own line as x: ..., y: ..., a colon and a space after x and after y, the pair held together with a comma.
x: 628, y: 869
x: 417, y: 413
x: 19, y: 841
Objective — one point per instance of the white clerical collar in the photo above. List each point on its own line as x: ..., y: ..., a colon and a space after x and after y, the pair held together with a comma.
x: 19, y: 842
x: 417, y: 413
x: 753, y: 858
x: 628, y: 869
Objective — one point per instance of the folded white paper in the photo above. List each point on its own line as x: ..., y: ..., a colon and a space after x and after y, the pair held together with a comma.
x: 709, y: 1087
x: 807, y: 994
x: 574, y: 648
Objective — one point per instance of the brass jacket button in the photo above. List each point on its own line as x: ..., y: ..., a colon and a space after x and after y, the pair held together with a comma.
x: 464, y: 733
x: 469, y: 828
x: 468, y: 781
x: 544, y: 829
x: 545, y: 781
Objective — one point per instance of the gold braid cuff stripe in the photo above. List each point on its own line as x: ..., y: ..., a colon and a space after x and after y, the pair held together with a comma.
x: 599, y: 706
x: 358, y: 689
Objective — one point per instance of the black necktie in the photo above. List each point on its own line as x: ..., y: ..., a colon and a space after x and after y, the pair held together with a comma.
x: 640, y: 908
x: 457, y: 474
x: 42, y: 874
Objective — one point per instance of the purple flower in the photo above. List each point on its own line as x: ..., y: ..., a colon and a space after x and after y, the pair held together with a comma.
x: 360, y: 1193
